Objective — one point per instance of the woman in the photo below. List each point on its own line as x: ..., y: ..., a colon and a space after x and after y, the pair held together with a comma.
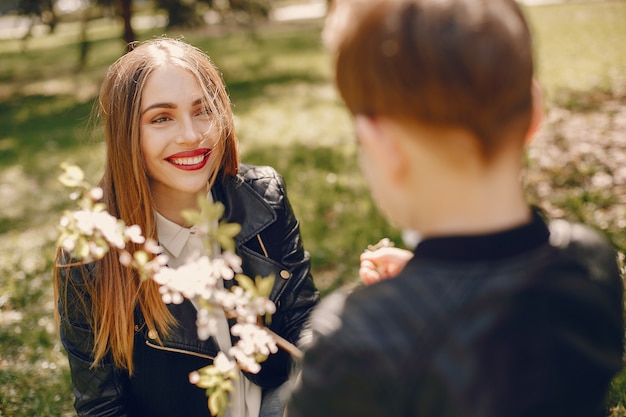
x: 169, y: 136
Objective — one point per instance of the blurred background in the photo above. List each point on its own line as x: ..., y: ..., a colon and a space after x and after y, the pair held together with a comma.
x: 53, y: 55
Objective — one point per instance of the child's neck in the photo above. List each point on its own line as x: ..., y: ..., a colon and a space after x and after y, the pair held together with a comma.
x: 475, y: 201
x: 461, y: 216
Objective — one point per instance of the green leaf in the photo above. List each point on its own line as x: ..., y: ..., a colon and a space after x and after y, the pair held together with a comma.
x: 264, y: 285
x: 229, y: 229
x: 218, y: 402
x: 227, y: 385
x: 225, y: 235
x: 246, y: 283
x: 209, y: 381
x: 81, y: 250
x: 204, y: 303
x: 102, y: 243
x: 259, y: 357
x: 226, y: 243
x: 192, y: 217
x: 141, y: 257
x: 210, y: 211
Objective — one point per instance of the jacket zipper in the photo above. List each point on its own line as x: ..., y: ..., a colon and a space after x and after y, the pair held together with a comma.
x: 174, y: 350
x: 262, y: 246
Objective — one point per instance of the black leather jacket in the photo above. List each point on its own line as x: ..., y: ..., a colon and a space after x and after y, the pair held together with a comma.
x: 269, y: 244
x: 521, y: 323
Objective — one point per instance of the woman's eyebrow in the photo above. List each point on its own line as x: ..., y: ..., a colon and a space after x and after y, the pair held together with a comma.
x: 159, y: 106
x: 171, y: 105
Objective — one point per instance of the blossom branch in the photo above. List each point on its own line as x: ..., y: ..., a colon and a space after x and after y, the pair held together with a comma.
x: 90, y: 232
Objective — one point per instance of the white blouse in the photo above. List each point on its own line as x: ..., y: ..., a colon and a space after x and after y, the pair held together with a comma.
x: 180, y: 244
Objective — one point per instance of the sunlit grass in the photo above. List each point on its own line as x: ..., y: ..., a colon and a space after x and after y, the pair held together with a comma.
x: 580, y: 47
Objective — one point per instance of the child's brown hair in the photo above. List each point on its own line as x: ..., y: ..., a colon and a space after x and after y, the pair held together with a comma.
x: 461, y: 63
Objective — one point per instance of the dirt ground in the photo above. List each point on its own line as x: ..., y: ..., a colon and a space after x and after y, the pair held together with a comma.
x: 577, y: 161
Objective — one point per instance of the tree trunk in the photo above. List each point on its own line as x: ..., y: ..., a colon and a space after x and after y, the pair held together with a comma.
x: 179, y: 14
x: 126, y: 13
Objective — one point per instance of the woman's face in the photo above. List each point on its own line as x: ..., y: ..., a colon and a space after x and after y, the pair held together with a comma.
x: 177, y: 135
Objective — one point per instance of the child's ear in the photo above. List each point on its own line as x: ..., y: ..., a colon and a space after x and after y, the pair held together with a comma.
x: 366, y: 130
x: 536, y: 118
x: 379, y: 137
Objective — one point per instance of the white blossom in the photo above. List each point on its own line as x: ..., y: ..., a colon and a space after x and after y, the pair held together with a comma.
x: 153, y: 247
x: 95, y: 193
x: 194, y: 377
x: 126, y: 258
x: 254, y: 339
x: 64, y: 222
x: 223, y: 364
x: 111, y: 229
x: 232, y: 260
x: 96, y: 251
x: 206, y: 322
x: 68, y: 243
x: 134, y: 234
x: 245, y: 361
x: 85, y: 222
x: 221, y: 269
x: 166, y: 278
x: 73, y: 175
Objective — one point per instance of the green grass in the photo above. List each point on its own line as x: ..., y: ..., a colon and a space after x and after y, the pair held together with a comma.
x: 288, y: 115
x: 580, y: 47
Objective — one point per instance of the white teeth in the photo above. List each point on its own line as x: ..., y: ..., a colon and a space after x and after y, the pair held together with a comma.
x: 188, y: 161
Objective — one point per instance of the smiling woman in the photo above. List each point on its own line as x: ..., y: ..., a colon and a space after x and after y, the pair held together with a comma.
x: 168, y: 125
x: 179, y: 139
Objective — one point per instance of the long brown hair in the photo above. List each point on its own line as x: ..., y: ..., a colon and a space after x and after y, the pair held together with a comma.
x: 115, y: 291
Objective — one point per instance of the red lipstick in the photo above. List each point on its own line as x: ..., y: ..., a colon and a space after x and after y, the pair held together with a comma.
x: 191, y: 160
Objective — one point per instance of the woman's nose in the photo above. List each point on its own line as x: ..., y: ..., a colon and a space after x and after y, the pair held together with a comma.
x: 190, y: 131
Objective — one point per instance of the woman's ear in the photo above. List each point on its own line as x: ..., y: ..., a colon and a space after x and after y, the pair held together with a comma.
x: 538, y: 109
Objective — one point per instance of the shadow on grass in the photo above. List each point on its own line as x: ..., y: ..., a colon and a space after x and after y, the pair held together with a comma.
x: 242, y: 91
x: 586, y: 101
x: 337, y: 216
x: 35, y: 125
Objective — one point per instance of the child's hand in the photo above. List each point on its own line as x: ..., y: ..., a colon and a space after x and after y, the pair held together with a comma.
x: 382, y: 263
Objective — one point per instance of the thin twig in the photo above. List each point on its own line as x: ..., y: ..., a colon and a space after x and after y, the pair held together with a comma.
x: 286, y: 345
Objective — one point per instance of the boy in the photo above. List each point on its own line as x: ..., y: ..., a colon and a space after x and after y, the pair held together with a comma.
x: 498, y: 313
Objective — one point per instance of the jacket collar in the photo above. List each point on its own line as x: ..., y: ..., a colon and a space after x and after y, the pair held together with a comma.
x: 243, y: 205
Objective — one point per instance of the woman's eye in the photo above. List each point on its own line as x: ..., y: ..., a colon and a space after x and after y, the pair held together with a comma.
x: 205, y: 111
x: 160, y: 119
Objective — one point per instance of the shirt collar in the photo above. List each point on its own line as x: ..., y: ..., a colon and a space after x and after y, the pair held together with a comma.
x: 487, y: 247
x: 172, y: 236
